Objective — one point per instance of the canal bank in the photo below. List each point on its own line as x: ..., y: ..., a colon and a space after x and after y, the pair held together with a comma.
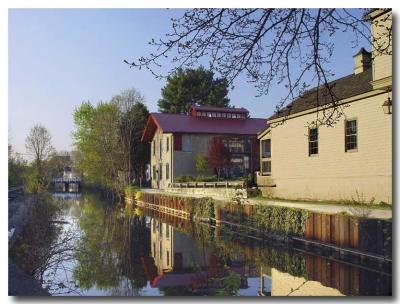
x: 20, y: 212
x: 100, y: 248
x: 302, y: 224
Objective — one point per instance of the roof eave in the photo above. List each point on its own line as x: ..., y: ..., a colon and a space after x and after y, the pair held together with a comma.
x: 145, y: 131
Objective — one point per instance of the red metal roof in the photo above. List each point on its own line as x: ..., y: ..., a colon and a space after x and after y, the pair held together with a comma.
x: 177, y: 123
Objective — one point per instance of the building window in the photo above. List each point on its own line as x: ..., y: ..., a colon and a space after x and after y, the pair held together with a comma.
x: 223, y: 115
x: 312, y: 141
x: 160, y: 171
x: 218, y: 114
x: 166, y: 171
x: 154, y: 249
x: 160, y: 250
x: 160, y: 228
x: 228, y: 115
x: 160, y: 148
x: 167, y: 231
x: 186, y: 143
x: 154, y: 172
x: 266, y: 148
x: 236, y: 145
x: 167, y: 144
x: 351, y: 135
x: 167, y: 257
x: 154, y: 147
x: 266, y: 167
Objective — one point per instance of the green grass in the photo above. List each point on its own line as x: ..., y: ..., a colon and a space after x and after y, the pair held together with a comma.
x: 368, y: 205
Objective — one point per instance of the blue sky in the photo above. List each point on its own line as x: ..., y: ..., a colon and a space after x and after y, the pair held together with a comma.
x: 61, y: 57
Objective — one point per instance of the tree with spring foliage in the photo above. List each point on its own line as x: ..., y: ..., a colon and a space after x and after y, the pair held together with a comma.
x: 219, y: 156
x: 107, y: 139
x: 38, y: 145
x: 132, y: 118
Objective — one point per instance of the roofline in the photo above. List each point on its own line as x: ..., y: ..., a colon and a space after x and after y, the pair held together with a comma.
x: 350, y: 99
x: 311, y: 91
x: 375, y: 13
x: 210, y: 133
x: 151, y: 117
x: 264, y: 132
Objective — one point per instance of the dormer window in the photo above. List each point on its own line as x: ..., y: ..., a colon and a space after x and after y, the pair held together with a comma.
x: 218, y: 112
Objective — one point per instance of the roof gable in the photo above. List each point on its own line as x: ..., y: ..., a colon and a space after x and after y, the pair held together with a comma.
x: 345, y: 87
x: 177, y: 123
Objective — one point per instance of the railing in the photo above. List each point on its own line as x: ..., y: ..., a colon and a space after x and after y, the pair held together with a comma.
x: 227, y: 184
x: 67, y: 180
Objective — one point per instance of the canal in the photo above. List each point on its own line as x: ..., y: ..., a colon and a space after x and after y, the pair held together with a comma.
x: 103, y: 249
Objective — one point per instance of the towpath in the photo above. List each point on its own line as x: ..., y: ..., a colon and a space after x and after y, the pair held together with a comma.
x: 315, y: 207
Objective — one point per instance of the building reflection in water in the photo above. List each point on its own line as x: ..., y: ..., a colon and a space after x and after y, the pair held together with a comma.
x: 179, y: 259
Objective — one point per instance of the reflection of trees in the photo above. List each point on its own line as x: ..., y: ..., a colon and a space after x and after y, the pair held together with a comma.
x: 109, y: 251
x: 45, y: 248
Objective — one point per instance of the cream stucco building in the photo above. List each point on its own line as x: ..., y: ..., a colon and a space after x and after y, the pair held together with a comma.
x: 351, y: 160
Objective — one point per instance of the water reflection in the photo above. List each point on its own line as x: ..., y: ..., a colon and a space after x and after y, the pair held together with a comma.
x: 121, y: 252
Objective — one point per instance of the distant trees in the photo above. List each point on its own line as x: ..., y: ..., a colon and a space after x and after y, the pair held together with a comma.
x: 56, y: 164
x: 38, y: 145
x: 219, y: 156
x: 193, y: 86
x: 17, y: 168
x: 107, y: 139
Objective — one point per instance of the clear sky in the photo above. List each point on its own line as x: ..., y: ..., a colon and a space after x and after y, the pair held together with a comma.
x: 61, y: 57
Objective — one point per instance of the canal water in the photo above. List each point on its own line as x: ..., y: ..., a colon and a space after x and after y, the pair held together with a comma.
x: 103, y: 249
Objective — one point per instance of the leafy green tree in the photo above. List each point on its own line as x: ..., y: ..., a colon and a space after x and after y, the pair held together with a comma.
x: 96, y: 138
x: 107, y: 139
x: 193, y: 86
x: 201, y: 163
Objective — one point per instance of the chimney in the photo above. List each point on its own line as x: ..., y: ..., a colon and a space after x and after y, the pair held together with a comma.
x: 362, y: 61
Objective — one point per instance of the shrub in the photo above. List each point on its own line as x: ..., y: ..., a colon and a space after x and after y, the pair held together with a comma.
x: 35, y: 184
x: 281, y: 220
x: 201, y: 163
x: 199, y: 178
x: 203, y: 207
x: 138, y: 195
x: 202, y: 178
x: 130, y: 191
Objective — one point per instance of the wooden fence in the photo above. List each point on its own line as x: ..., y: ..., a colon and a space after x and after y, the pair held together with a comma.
x: 369, y: 235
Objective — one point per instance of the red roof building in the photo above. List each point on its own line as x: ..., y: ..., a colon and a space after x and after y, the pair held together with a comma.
x: 177, y: 140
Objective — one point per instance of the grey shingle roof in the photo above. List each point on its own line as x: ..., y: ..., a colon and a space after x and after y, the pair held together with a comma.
x: 344, y: 87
